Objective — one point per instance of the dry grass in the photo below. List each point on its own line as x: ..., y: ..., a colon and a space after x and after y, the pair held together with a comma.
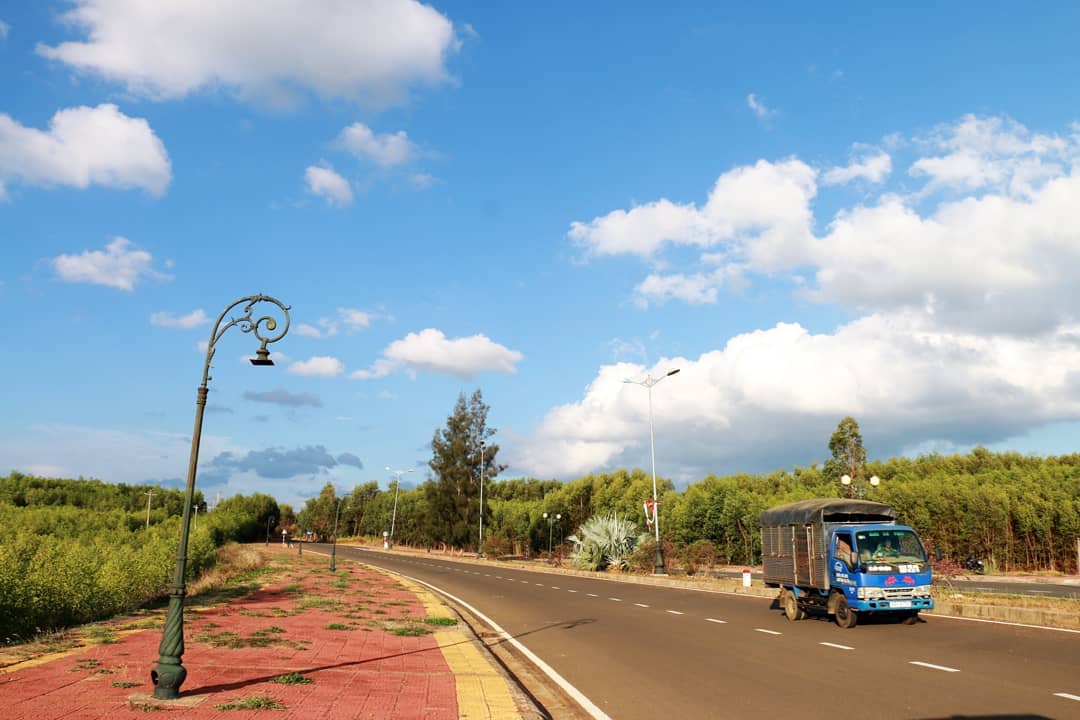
x: 233, y: 561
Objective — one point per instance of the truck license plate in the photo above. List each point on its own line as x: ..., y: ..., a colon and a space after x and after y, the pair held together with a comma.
x: 900, y: 604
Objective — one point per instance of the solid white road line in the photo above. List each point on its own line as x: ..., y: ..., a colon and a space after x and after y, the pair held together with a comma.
x: 932, y: 666
x: 586, y: 704
x: 839, y: 647
x: 714, y: 620
x: 767, y: 632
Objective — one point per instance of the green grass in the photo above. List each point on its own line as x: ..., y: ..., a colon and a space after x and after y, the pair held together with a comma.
x: 293, y: 678
x: 337, y: 626
x: 125, y: 684
x: 410, y: 631
x: 446, y: 621
x: 254, y: 702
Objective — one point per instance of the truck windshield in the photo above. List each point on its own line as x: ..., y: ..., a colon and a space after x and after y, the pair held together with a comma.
x: 889, y: 546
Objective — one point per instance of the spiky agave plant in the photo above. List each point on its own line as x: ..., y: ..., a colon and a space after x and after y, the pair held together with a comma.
x: 604, y: 541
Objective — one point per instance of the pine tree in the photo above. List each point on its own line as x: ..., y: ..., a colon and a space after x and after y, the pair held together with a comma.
x: 848, y: 453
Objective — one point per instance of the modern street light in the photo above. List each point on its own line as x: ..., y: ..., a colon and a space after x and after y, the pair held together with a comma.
x: 149, y: 495
x: 170, y: 673
x: 397, y: 485
x: 196, y: 509
x: 333, y: 548
x: 853, y: 489
x: 649, y: 382
x: 269, y: 520
x: 480, y: 542
x: 551, y: 524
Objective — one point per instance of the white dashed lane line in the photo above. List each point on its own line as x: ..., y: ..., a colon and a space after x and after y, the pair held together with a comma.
x: 767, y: 632
x: 641, y: 604
x: 592, y: 595
x: 1068, y: 696
x: 615, y: 599
x: 714, y: 620
x: 932, y: 666
x: 675, y: 612
x: 838, y: 647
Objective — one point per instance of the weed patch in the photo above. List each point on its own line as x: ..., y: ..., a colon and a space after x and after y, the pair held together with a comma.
x: 293, y: 678
x: 254, y: 702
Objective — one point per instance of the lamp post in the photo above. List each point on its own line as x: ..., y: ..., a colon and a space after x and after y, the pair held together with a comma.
x: 393, y: 516
x: 269, y: 520
x: 480, y: 541
x: 196, y: 509
x: 169, y: 673
x: 853, y: 489
x: 149, y: 496
x: 333, y: 547
x: 551, y: 524
x: 649, y: 382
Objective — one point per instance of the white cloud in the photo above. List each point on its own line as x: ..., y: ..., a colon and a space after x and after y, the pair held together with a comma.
x: 324, y: 182
x: 364, y: 51
x: 758, y: 107
x: 769, y: 399
x: 318, y: 366
x: 193, y: 319
x: 85, y: 146
x: 120, y: 265
x: 697, y: 289
x: 385, y: 150
x: 431, y: 351
x: 872, y: 167
x: 351, y: 318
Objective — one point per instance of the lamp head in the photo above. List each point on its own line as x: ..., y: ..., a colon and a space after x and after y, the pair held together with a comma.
x: 875, y: 480
x: 673, y: 372
x: 845, y: 479
x: 262, y: 356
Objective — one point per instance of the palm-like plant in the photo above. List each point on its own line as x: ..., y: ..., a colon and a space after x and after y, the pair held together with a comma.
x: 604, y: 541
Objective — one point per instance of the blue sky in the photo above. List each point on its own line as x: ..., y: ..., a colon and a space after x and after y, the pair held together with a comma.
x: 812, y: 213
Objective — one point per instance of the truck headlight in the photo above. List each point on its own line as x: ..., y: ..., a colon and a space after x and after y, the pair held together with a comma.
x: 923, y: 590
x: 870, y: 593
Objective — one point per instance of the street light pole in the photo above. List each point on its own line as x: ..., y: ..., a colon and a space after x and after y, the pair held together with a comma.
x: 333, y: 548
x: 149, y: 496
x: 269, y: 519
x: 853, y: 489
x: 397, y: 485
x: 551, y: 526
x: 169, y: 673
x: 648, y: 383
x: 480, y: 542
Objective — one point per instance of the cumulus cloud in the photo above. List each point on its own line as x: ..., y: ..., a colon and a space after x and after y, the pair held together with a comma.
x: 271, y: 463
x: 350, y: 459
x: 384, y: 149
x: 120, y: 266
x: 193, y: 319
x: 85, y: 146
x: 770, y: 398
x: 873, y: 167
x: 281, y: 396
x: 431, y: 351
x: 361, y: 51
x: 318, y: 366
x: 323, y: 181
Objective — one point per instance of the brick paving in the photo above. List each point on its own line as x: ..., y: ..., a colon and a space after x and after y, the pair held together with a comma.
x: 357, y: 637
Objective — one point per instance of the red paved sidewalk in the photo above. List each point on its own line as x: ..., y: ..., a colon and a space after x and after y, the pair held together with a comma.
x: 337, y: 630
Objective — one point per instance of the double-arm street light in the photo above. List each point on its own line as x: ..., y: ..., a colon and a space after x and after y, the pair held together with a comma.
x: 333, y: 548
x: 397, y: 485
x: 169, y: 673
x: 551, y: 520
x: 853, y: 489
x: 649, y: 382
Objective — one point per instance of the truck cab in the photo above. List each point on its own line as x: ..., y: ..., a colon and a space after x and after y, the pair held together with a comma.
x: 880, y: 568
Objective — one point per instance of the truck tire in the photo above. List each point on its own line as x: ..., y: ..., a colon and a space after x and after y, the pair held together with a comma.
x: 845, y: 616
x: 910, y: 618
x: 792, y: 611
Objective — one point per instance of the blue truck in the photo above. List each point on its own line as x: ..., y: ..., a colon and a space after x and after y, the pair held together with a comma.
x: 845, y: 558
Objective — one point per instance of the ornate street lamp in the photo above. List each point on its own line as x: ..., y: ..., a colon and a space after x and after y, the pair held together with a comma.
x: 855, y: 490
x: 169, y: 674
x: 649, y: 382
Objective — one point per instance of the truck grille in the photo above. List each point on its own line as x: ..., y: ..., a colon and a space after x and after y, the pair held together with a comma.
x: 900, y: 593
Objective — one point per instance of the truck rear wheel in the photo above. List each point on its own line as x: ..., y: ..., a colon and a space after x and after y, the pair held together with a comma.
x: 845, y: 616
x: 791, y: 607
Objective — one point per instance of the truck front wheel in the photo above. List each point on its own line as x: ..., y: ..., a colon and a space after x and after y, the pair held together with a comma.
x: 791, y: 607
x: 845, y: 616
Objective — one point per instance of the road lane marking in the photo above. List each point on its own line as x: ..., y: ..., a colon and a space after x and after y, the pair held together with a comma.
x: 592, y: 594
x: 539, y: 585
x: 838, y: 647
x: 714, y: 620
x: 641, y: 604
x: 525, y: 581
x: 675, y: 612
x: 767, y: 632
x: 615, y: 599
x: 932, y: 666
x: 571, y: 591
x: 1068, y: 696
x: 555, y: 587
x: 587, y: 705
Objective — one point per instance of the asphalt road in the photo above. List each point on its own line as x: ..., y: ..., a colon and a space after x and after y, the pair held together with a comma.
x: 641, y: 651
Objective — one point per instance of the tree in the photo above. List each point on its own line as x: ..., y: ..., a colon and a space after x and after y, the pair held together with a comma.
x: 848, y: 453
x: 453, y: 499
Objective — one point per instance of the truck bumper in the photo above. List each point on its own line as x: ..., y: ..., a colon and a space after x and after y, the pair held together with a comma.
x: 906, y: 605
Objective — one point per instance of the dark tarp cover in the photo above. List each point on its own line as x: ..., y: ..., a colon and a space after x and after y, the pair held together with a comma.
x: 828, y: 510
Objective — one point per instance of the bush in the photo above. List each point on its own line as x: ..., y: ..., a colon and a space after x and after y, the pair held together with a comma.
x: 698, y: 556
x: 497, y: 546
x: 643, y: 559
